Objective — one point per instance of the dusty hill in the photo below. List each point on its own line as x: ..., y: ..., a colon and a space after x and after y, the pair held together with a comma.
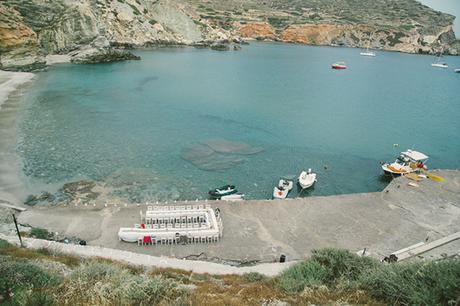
x: 87, y: 29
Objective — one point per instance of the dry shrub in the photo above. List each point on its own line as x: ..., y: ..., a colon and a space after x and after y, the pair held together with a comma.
x: 101, y: 283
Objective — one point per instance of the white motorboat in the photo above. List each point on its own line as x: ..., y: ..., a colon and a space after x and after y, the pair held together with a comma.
x: 457, y: 70
x: 408, y: 161
x: 217, y: 193
x: 233, y: 197
x: 281, y: 191
x: 307, y: 179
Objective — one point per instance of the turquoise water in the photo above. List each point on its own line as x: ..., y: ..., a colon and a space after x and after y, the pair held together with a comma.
x: 146, y: 127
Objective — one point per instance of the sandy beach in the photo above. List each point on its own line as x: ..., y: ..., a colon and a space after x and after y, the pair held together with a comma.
x: 11, y: 85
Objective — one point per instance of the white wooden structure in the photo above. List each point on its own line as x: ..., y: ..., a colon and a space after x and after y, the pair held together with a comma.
x: 174, y: 225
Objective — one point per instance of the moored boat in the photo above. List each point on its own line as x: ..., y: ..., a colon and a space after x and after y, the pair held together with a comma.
x: 368, y: 53
x: 282, y: 190
x: 440, y: 65
x: 339, y: 66
x: 307, y: 179
x: 226, y: 190
x: 408, y: 161
x: 457, y: 70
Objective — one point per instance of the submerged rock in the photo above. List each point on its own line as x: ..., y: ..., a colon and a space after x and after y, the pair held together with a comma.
x: 218, y: 154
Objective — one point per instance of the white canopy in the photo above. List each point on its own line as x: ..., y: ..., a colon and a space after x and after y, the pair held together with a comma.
x: 415, y: 155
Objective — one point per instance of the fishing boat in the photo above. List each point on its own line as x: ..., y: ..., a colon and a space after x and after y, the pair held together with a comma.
x: 307, y: 179
x: 233, y: 197
x: 339, y: 66
x: 281, y: 191
x: 226, y: 190
x: 407, y: 162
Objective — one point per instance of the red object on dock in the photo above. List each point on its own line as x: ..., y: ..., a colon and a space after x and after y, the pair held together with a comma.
x: 147, y: 240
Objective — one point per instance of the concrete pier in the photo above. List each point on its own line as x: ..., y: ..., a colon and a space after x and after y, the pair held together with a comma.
x: 381, y: 222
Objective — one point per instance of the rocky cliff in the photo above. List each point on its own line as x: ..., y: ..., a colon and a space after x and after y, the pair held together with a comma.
x: 96, y: 30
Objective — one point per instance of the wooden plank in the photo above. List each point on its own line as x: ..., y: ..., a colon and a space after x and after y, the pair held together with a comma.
x: 428, y: 246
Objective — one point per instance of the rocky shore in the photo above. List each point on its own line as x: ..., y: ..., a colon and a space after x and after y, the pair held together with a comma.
x: 91, y: 31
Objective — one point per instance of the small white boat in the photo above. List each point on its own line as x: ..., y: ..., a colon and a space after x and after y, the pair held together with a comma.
x: 457, y: 70
x: 307, y: 179
x: 368, y: 53
x: 408, y: 161
x: 281, y: 191
x: 440, y: 65
x: 233, y: 197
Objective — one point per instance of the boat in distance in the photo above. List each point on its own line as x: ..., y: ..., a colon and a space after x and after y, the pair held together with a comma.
x: 339, y: 65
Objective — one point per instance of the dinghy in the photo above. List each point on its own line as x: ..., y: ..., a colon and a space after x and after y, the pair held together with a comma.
x: 339, y: 65
x: 281, y: 191
x: 222, y: 191
x: 307, y: 179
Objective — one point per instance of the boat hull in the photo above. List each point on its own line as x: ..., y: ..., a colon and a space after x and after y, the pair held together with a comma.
x: 307, y: 180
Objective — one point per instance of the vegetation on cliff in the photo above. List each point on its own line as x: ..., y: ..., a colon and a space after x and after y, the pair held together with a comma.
x: 32, y: 29
x: 329, y: 276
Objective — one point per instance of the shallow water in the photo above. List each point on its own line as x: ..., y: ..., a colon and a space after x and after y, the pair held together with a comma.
x: 269, y: 110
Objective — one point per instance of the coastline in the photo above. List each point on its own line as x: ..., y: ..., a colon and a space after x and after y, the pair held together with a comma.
x: 12, y: 87
x: 259, y: 231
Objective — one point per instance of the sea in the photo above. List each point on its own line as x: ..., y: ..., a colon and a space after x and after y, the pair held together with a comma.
x: 183, y: 121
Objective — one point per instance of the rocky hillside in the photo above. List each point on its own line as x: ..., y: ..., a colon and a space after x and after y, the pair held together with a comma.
x: 96, y: 30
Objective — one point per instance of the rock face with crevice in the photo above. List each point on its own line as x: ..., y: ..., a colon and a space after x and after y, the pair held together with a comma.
x: 91, y: 29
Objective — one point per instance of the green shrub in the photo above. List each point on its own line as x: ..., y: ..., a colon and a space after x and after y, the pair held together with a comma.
x: 99, y: 283
x: 326, y: 267
x: 20, y: 281
x: 4, y: 244
x: 40, y: 233
x: 254, y: 277
x: 420, y: 283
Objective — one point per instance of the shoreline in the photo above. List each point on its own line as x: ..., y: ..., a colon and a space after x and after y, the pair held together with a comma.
x: 12, y: 87
x: 259, y: 231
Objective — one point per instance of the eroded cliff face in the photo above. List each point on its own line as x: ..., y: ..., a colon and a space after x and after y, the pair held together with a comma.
x: 18, y: 42
x: 87, y: 30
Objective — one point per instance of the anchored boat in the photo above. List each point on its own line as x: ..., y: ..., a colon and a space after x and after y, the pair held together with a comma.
x: 408, y: 161
x: 307, y: 179
x: 281, y: 191
x: 339, y: 66
x: 223, y: 191
x: 457, y: 70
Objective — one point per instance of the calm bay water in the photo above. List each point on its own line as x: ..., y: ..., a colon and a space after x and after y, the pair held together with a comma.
x: 144, y: 127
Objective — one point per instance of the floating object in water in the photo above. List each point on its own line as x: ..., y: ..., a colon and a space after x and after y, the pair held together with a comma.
x: 457, y: 70
x: 281, y: 191
x: 217, y: 193
x: 408, y: 161
x: 396, y: 145
x: 435, y: 177
x: 307, y: 179
x: 339, y: 66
